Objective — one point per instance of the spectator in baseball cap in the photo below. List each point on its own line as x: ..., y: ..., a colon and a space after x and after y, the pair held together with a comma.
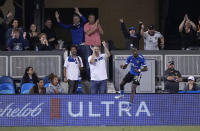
x: 171, y: 62
x: 153, y: 40
x: 172, y: 78
x: 131, y: 36
x: 191, y: 86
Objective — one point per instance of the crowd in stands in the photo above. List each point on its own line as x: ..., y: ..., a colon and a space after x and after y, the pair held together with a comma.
x: 85, y: 59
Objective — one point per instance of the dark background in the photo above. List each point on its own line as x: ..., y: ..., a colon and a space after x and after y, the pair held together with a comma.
x: 174, y: 11
x: 166, y: 15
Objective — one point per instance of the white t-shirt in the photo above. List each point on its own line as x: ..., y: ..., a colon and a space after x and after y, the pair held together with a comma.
x: 98, y: 69
x: 151, y: 42
x: 72, y: 67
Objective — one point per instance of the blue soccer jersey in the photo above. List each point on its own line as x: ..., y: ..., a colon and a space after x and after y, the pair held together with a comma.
x: 135, y: 63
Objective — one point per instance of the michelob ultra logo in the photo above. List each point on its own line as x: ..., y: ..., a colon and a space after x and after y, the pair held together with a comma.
x: 73, y: 109
x: 13, y: 110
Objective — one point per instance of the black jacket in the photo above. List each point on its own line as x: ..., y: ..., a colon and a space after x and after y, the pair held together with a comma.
x: 50, y: 34
x: 195, y: 87
x: 131, y: 40
x: 42, y: 47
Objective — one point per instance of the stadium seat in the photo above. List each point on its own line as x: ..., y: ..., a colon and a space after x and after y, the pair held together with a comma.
x: 26, y: 88
x: 46, y: 85
x: 7, y: 88
x: 46, y: 80
x: 6, y: 79
x: 79, y: 89
x: 189, y: 92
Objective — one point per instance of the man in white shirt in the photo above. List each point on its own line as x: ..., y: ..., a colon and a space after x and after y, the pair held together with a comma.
x: 72, y: 67
x: 98, y: 73
x: 151, y: 38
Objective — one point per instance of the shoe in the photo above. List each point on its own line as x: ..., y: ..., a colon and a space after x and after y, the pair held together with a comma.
x: 119, y: 96
x: 128, y: 109
x: 117, y: 92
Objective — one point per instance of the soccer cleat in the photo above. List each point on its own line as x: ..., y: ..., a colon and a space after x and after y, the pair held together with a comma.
x: 119, y: 96
x: 128, y: 109
x: 117, y: 92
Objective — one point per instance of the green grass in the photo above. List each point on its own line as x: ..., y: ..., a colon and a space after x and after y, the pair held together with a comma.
x: 107, y: 128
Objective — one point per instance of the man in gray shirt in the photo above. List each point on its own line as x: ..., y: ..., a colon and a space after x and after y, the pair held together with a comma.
x: 172, y: 78
x: 152, y: 38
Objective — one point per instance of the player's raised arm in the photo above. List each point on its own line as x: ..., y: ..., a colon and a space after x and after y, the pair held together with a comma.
x: 127, y: 62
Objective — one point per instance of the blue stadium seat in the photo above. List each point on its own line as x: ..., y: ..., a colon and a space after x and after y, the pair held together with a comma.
x: 6, y: 79
x: 79, y: 89
x: 26, y: 88
x: 46, y: 80
x: 190, y: 92
x: 46, y: 85
x: 7, y: 88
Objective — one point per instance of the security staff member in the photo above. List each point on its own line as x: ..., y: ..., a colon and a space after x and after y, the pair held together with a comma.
x: 172, y: 78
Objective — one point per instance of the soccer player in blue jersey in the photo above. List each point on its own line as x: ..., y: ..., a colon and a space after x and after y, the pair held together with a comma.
x: 137, y: 63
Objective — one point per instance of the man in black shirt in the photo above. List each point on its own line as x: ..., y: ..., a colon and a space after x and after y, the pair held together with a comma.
x: 187, y: 30
x: 172, y: 78
x: 132, y: 38
x: 3, y: 30
x: 51, y: 35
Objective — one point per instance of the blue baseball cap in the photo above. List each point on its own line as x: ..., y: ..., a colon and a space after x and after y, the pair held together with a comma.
x: 132, y: 28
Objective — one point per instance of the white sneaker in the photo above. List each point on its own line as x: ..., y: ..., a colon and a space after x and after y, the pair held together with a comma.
x: 119, y: 96
x: 128, y: 109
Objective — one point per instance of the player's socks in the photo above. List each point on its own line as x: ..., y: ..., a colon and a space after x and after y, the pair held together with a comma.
x: 129, y: 107
x: 130, y: 104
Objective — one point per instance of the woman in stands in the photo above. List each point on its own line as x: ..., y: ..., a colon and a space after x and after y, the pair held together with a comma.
x: 33, y: 37
x: 43, y: 43
x: 38, y: 88
x: 29, y: 76
x: 54, y: 87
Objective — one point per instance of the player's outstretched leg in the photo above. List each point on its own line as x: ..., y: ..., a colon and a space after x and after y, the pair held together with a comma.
x: 121, y: 90
x: 134, y: 86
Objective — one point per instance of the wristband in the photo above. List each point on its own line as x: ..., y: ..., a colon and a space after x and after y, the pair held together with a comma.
x: 139, y: 70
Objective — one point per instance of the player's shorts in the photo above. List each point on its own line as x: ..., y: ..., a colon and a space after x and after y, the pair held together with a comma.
x: 131, y: 78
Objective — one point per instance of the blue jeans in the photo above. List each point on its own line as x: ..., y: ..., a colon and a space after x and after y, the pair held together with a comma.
x: 98, y: 87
